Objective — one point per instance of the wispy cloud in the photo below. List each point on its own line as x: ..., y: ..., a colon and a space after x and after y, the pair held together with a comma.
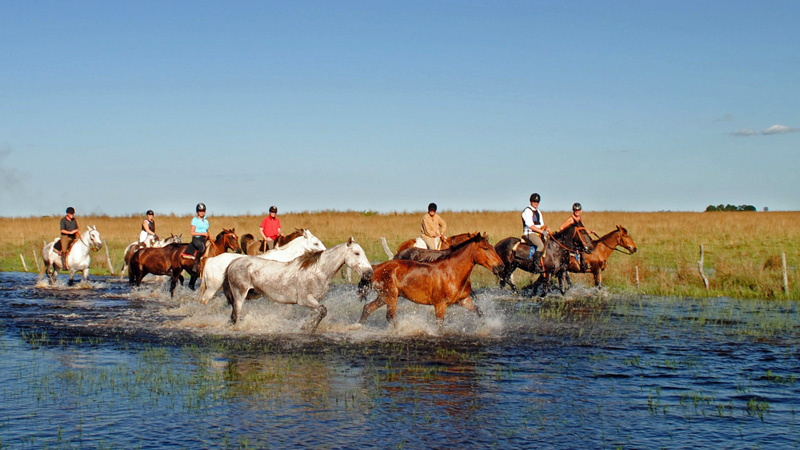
x: 775, y: 129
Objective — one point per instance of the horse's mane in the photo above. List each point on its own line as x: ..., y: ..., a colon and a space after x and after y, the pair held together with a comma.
x: 570, y: 228
x: 308, y: 259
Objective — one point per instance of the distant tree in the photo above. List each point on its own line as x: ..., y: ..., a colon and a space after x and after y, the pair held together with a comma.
x: 730, y: 207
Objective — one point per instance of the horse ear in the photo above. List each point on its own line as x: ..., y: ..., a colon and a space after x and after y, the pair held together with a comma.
x: 350, y: 241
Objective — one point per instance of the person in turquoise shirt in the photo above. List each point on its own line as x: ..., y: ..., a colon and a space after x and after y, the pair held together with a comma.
x: 200, y: 227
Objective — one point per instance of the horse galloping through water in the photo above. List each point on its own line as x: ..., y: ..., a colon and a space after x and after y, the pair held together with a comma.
x: 303, y: 281
x: 134, y: 246
x: 252, y: 247
x: 78, y: 258
x: 596, y: 262
x: 168, y: 261
x: 440, y: 283
x: 214, y: 270
x: 555, y: 261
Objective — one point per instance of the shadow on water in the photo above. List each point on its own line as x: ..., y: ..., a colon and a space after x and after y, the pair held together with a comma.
x: 101, y: 365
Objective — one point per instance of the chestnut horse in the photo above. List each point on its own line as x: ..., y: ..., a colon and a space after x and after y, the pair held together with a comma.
x: 133, y: 247
x: 596, y: 262
x: 168, y: 261
x: 447, y: 242
x: 439, y: 283
x: 252, y: 247
x: 555, y: 261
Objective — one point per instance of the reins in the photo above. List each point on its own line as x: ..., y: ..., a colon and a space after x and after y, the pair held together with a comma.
x: 567, y: 248
x: 89, y: 244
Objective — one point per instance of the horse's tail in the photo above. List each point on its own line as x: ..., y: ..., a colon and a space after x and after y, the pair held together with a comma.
x: 226, y: 287
x: 133, y: 268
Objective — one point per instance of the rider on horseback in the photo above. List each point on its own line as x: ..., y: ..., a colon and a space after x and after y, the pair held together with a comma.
x: 534, y: 231
x: 575, y: 218
x: 199, y: 233
x: 433, y: 228
x: 69, y: 231
x: 148, y: 234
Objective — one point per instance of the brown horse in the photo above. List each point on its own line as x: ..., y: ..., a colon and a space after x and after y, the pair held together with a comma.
x: 168, y: 261
x: 252, y: 247
x: 447, y: 242
x: 555, y: 261
x: 596, y: 262
x: 440, y: 283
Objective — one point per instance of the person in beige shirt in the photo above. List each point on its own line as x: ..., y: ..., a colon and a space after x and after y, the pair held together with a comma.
x: 433, y: 228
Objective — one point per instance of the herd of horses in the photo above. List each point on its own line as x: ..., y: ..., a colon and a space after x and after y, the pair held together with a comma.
x: 300, y: 268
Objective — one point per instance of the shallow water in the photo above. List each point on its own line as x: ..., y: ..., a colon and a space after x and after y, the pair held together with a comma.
x: 101, y: 366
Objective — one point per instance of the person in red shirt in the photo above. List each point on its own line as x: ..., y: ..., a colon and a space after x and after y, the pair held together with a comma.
x: 270, y: 228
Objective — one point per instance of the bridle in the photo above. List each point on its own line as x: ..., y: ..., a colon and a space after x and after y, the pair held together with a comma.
x: 580, y: 238
x: 89, y: 244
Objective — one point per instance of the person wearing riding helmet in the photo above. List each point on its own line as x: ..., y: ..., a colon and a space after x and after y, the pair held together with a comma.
x: 433, y: 228
x: 270, y: 228
x: 575, y: 218
x: 534, y: 231
x: 199, y: 234
x: 148, y: 234
x: 69, y: 231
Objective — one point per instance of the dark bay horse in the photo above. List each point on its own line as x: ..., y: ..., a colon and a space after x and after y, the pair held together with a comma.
x: 447, y: 242
x: 515, y: 253
x: 596, y: 262
x: 167, y: 260
x: 439, y: 283
x: 252, y: 247
x: 426, y: 255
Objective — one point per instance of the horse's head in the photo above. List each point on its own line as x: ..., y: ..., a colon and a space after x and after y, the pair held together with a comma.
x: 625, y: 240
x: 486, y: 254
x: 230, y: 240
x: 576, y: 238
x: 311, y: 242
x: 356, y: 259
x: 95, y: 242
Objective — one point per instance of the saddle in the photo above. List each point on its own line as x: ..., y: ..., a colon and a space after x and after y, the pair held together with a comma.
x: 57, y: 246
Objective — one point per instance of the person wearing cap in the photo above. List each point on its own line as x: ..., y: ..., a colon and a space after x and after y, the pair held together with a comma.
x: 575, y: 218
x: 69, y: 231
x: 534, y: 230
x: 433, y: 228
x: 148, y: 234
x: 199, y: 234
x: 270, y: 228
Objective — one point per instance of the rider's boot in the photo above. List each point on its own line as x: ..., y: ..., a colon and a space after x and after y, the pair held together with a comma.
x: 537, y: 262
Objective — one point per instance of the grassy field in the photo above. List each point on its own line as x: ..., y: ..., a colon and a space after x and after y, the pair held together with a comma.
x: 742, y: 249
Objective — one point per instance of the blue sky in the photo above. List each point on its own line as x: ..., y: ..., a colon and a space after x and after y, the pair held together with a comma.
x: 120, y: 107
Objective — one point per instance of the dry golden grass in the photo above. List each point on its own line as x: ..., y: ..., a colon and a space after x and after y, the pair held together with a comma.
x: 742, y: 249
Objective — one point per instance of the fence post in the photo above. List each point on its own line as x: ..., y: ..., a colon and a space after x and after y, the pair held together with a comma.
x: 25, y: 266
x: 637, y: 277
x: 785, y: 274
x: 700, y: 267
x: 36, y: 260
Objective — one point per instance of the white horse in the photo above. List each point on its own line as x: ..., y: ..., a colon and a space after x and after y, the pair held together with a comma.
x: 302, y: 281
x: 154, y: 243
x: 78, y: 259
x: 214, y: 270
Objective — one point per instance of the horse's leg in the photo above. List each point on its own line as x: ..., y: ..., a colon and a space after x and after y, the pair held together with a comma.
x: 174, y: 281
x: 370, y: 307
x: 440, y: 308
x: 469, y: 305
x: 363, y: 288
x: 322, y: 311
x: 86, y: 274
x: 192, y: 280
x: 598, y: 277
